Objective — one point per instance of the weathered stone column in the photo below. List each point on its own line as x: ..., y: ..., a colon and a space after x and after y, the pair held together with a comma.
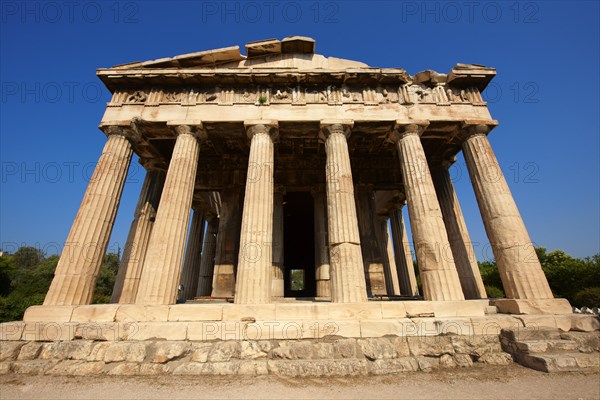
x: 389, y: 265
x: 369, y: 241
x: 198, y: 260
x: 228, y: 242
x: 255, y: 265
x: 392, y: 261
x: 346, y: 266
x: 438, y: 273
x: 403, y: 255
x: 458, y: 236
x: 323, y: 282
x: 207, y: 263
x: 191, y: 263
x: 77, y: 270
x: 134, y: 254
x: 519, y: 267
x: 277, y: 281
x: 162, y: 268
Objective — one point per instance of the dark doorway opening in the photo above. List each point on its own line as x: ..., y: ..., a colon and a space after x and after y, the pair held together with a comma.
x: 299, y: 245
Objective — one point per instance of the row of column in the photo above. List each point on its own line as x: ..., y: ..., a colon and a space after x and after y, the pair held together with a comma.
x: 381, y: 281
x: 158, y: 234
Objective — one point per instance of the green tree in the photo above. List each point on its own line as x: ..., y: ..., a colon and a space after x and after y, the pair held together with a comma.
x: 491, y: 279
x: 35, y: 280
x: 27, y: 257
x: 29, y: 274
x: 26, y: 276
x: 568, y: 275
x: 7, y: 272
x: 297, y: 277
x: 572, y: 278
x: 106, y: 278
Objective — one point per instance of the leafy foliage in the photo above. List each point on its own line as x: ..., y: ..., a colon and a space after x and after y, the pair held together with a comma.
x: 106, y: 279
x: 25, y: 277
x: 297, y: 276
x: 568, y: 275
x: 6, y: 271
x: 494, y: 292
x: 589, y: 297
x: 27, y: 257
x: 418, y: 276
x: 491, y: 279
x: 576, y: 279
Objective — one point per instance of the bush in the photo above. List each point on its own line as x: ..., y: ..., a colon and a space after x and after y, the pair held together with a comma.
x: 575, y: 279
x: 490, y: 274
x: 494, y: 292
x: 568, y: 275
x: 100, y: 299
x: 25, y: 278
x: 589, y: 297
x: 13, y: 306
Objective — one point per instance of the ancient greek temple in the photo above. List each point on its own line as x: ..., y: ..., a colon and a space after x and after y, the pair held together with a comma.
x: 269, y: 235
x: 283, y: 174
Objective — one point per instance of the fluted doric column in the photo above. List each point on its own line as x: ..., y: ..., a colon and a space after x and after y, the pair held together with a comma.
x: 162, y: 268
x: 277, y: 281
x: 255, y: 265
x: 519, y: 267
x: 228, y: 242
x: 346, y: 266
x: 387, y: 256
x: 323, y: 282
x: 191, y: 263
x: 77, y: 270
x: 438, y: 273
x: 458, y: 236
x: 369, y: 241
x: 134, y: 254
x: 207, y: 263
x: 197, y: 261
x: 403, y: 256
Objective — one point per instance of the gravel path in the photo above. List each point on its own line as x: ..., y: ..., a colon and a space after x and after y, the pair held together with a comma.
x: 511, y: 382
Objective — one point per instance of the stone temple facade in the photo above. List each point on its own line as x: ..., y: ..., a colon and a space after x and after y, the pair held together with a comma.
x: 269, y: 234
x: 291, y: 161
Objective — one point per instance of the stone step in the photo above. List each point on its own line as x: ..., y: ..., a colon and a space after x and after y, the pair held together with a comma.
x: 536, y: 333
x: 491, y: 310
x: 543, y: 346
x: 554, y: 362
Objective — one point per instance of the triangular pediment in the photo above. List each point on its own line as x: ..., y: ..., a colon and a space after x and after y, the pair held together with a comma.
x: 288, y: 61
x: 297, y: 52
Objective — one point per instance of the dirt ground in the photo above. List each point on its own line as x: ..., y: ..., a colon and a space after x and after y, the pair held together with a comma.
x: 511, y: 382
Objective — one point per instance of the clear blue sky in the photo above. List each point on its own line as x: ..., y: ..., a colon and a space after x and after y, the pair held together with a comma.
x: 546, y: 94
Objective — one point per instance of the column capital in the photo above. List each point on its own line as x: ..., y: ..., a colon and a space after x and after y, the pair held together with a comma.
x: 210, y: 215
x: 382, y: 216
x: 398, y: 204
x: 188, y: 127
x: 471, y: 128
x: 127, y: 129
x: 397, y: 201
x: 448, y: 161
x: 330, y: 126
x: 404, y: 128
x: 269, y: 127
x: 153, y: 164
x: 444, y: 161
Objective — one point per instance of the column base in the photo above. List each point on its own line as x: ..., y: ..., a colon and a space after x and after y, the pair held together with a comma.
x: 533, y: 306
